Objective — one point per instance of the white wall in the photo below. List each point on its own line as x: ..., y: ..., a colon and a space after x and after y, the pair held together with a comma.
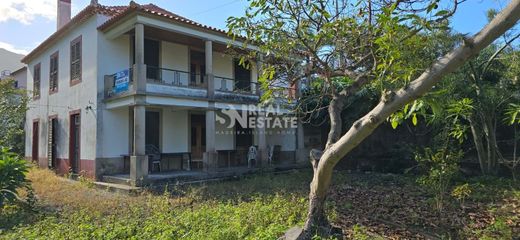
x: 116, y: 135
x: 222, y: 65
x: 286, y: 138
x: 113, y: 124
x: 68, y: 98
x: 174, y: 56
x: 225, y: 139
x: 175, y: 130
x: 21, y: 78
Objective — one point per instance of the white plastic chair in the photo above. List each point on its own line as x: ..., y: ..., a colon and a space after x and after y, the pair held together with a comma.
x: 251, y: 155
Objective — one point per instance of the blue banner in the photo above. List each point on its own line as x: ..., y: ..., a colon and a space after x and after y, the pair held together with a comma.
x: 122, y: 80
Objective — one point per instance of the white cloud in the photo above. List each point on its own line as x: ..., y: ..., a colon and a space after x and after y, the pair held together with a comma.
x: 25, y: 11
x: 11, y: 48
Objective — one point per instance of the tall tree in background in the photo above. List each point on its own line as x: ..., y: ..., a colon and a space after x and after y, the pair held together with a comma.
x: 356, y: 44
x: 13, y: 105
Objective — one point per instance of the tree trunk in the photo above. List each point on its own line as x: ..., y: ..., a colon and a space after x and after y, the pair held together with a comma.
x: 316, y: 217
x: 493, y: 145
x: 335, y: 108
x: 363, y: 127
x: 476, y: 132
x: 515, y: 160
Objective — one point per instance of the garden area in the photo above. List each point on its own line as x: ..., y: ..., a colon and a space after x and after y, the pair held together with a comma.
x: 417, y: 136
x: 263, y: 206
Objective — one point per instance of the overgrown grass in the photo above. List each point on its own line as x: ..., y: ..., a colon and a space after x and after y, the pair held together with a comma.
x: 256, y: 207
x: 259, y: 207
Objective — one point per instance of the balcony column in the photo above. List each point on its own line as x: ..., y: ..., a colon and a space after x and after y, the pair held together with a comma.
x: 210, y: 83
x: 139, y: 68
x: 262, y: 157
x: 210, y: 156
x: 139, y: 160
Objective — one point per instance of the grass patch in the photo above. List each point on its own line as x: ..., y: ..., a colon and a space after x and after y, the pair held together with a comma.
x: 365, y: 206
x: 258, y: 207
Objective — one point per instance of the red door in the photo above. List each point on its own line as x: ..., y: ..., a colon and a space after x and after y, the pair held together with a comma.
x: 35, y: 141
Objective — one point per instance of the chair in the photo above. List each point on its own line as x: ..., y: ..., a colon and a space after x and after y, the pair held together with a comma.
x: 154, y: 156
x: 251, y: 155
x: 270, y: 152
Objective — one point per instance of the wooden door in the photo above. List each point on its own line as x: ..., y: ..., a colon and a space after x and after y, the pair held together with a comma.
x: 35, y: 140
x: 198, y: 136
x: 51, y: 148
x: 152, y: 129
x: 74, y: 142
x: 151, y: 59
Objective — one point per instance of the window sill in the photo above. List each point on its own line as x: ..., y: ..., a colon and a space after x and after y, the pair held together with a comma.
x: 74, y: 82
x: 51, y: 92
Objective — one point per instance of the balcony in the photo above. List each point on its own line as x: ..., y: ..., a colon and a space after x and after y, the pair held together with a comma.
x: 177, y: 83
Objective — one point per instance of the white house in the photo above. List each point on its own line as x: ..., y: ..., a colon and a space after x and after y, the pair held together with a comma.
x: 137, y: 89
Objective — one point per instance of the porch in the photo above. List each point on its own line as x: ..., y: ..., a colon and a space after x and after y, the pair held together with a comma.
x: 187, y: 142
x: 182, y: 177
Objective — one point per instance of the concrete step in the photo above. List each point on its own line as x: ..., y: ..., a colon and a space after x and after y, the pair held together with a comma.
x: 118, y: 188
x: 116, y: 180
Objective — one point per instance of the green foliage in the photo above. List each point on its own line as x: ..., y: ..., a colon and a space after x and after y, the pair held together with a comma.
x: 257, y: 207
x: 498, y: 230
x: 461, y: 192
x: 13, y: 105
x: 361, y: 233
x: 441, y: 166
x: 513, y: 114
x: 12, y: 176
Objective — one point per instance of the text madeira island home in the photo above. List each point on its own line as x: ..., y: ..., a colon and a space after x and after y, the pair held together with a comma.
x: 137, y: 92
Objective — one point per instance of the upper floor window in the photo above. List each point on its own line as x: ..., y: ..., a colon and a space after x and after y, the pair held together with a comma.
x: 53, y: 73
x: 75, y: 61
x: 36, y: 81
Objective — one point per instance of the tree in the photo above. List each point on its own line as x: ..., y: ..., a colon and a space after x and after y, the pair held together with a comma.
x: 358, y: 43
x: 475, y: 98
x: 513, y: 118
x: 13, y: 106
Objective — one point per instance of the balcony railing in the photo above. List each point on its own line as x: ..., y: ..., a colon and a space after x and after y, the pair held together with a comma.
x: 231, y: 85
x: 122, y: 83
x: 175, y: 77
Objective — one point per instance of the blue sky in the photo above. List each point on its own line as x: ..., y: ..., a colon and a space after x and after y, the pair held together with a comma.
x: 26, y: 23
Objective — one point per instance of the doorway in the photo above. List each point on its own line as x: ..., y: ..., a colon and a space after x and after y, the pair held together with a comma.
x: 152, y: 137
x: 197, y: 68
x: 35, y: 140
x: 51, y: 151
x: 151, y: 57
x: 74, y: 142
x: 242, y: 76
x: 198, y: 135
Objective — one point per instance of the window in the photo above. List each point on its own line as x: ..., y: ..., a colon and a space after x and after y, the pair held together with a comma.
x: 75, y: 61
x: 53, y: 73
x: 36, y: 81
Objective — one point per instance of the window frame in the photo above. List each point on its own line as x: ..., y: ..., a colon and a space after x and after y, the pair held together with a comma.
x: 37, y: 78
x: 54, y: 73
x: 75, y: 79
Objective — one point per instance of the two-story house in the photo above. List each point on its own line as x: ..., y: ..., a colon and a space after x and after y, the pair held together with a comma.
x: 136, y: 90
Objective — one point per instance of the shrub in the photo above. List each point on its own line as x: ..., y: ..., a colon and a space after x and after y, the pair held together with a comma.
x: 461, y: 192
x: 442, y: 165
x: 12, y: 175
